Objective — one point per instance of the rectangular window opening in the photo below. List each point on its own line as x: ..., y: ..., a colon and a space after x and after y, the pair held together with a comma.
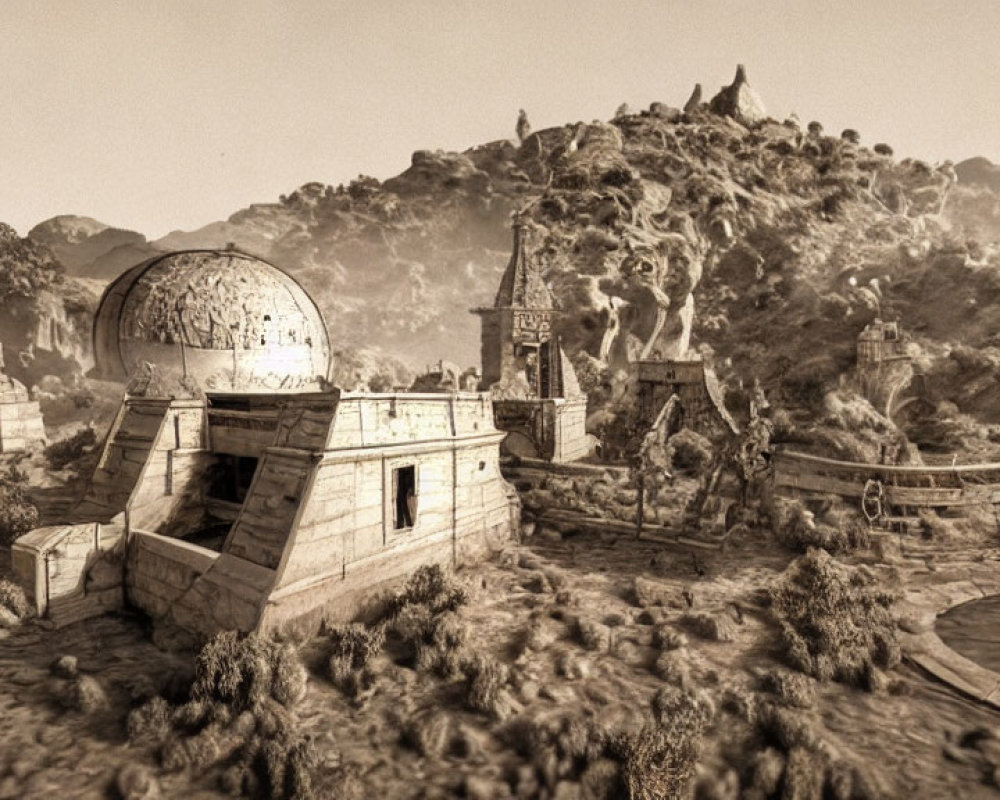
x: 404, y: 497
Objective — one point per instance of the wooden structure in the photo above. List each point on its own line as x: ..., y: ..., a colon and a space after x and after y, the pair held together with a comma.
x: 536, y: 395
x: 254, y: 510
x: 892, y: 487
x: 700, y: 403
x: 20, y: 417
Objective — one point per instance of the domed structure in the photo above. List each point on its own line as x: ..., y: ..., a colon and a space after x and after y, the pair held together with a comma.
x: 227, y: 320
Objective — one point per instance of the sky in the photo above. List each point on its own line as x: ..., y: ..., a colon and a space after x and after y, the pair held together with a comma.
x: 171, y: 114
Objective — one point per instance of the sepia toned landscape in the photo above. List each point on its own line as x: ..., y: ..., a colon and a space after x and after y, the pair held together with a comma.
x: 656, y: 456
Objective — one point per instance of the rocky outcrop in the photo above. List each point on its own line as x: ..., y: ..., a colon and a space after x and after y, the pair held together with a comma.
x: 739, y: 101
x: 694, y: 101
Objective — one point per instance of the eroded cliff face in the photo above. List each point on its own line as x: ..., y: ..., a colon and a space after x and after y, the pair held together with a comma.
x: 46, y: 321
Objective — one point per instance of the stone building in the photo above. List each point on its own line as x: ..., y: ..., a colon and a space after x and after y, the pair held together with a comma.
x: 884, y: 364
x: 254, y: 506
x: 20, y: 417
x: 536, y: 397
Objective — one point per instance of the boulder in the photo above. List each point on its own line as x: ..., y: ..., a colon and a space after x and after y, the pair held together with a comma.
x: 663, y: 111
x: 739, y: 101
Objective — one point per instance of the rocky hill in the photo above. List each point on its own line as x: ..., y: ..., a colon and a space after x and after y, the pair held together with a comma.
x: 90, y: 249
x: 766, y: 245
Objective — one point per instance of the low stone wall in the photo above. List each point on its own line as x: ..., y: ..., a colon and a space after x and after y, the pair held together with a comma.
x: 922, y: 645
x: 159, y: 570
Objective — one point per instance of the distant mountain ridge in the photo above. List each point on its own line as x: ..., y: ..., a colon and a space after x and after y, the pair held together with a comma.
x: 88, y: 248
x: 768, y: 239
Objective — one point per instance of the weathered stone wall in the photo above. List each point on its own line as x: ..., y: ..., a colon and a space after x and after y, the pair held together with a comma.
x: 169, y: 496
x: 344, y: 544
x: 160, y: 570
x: 20, y: 425
x: 54, y: 565
x: 261, y: 531
x: 131, y: 439
x: 570, y: 440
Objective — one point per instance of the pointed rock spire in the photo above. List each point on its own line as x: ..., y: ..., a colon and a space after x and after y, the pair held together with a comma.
x: 739, y: 101
x: 694, y: 100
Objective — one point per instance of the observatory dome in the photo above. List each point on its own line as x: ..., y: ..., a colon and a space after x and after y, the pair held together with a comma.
x: 229, y: 321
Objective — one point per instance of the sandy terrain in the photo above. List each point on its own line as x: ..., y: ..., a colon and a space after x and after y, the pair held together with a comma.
x: 901, y: 736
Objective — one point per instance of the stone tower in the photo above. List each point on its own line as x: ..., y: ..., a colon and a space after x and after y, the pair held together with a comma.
x: 535, y: 392
x: 520, y: 355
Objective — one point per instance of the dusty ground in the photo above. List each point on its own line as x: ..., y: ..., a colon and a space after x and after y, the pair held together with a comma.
x: 902, y: 737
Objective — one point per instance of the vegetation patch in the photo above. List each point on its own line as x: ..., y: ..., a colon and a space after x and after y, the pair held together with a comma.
x: 18, y: 514
x: 238, y: 717
x: 836, y: 622
x: 65, y: 452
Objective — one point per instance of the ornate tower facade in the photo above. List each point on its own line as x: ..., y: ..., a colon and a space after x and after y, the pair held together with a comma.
x: 535, y: 392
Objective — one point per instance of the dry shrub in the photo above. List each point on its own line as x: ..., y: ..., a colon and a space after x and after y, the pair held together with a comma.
x: 566, y: 747
x: 150, y: 722
x: 689, y: 453
x: 659, y: 760
x: 790, y: 759
x: 714, y: 627
x: 836, y: 623
x: 937, y: 528
x: 244, y: 671
x: 67, y: 451
x: 18, y: 514
x: 355, y: 643
x: 792, y: 688
x: 486, y: 680
x: 432, y: 587
x: 435, y: 641
x: 797, y: 529
x: 13, y: 599
x: 239, y: 714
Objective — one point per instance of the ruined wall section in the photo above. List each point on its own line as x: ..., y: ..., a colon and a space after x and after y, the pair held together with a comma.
x: 130, y: 440
x: 169, y: 497
x: 346, y: 542
x: 570, y: 439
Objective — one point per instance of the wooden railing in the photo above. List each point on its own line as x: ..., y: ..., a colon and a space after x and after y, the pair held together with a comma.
x: 917, y: 486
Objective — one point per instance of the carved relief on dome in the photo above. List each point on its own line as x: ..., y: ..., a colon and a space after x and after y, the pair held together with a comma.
x: 239, y: 306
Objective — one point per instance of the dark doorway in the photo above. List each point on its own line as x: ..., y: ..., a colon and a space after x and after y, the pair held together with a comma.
x: 231, y: 478
x: 404, y: 497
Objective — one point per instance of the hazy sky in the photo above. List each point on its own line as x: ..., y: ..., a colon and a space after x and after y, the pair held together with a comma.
x: 172, y: 114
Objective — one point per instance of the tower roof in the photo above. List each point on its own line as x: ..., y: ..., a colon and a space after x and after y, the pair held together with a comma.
x: 522, y: 285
